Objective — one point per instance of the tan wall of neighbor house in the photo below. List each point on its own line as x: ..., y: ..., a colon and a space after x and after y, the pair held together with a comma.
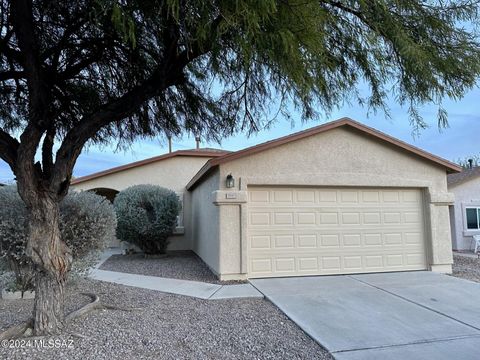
x: 205, y: 222
x: 466, y: 194
x: 173, y: 173
x: 339, y: 157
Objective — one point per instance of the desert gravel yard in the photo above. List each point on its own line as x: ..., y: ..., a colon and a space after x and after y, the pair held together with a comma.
x: 185, y: 265
x: 466, y: 267
x: 165, y: 326
x: 168, y: 327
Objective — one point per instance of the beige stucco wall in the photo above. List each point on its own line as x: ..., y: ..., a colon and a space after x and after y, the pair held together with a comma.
x: 173, y: 173
x: 205, y: 222
x: 466, y: 194
x: 339, y: 157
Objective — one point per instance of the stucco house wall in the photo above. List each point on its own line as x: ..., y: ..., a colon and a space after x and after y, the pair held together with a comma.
x: 173, y: 173
x: 466, y: 194
x: 339, y: 157
x: 205, y: 223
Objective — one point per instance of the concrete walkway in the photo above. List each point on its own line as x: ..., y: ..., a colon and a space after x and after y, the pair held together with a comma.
x: 410, y: 315
x: 195, y: 289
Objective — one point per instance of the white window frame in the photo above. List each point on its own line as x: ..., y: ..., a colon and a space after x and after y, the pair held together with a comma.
x: 477, y: 208
x: 474, y: 204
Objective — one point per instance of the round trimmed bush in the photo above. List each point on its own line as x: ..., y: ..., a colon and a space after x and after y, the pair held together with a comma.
x: 146, y: 216
x: 87, y: 224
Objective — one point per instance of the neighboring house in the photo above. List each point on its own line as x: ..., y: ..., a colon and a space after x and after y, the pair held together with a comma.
x: 465, y: 213
x: 339, y: 198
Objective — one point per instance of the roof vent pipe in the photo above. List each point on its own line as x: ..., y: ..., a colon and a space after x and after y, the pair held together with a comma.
x: 169, y: 137
x: 197, y: 140
x: 470, y: 163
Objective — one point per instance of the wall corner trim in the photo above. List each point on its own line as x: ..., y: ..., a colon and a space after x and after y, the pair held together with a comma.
x: 441, y: 199
x: 229, y: 197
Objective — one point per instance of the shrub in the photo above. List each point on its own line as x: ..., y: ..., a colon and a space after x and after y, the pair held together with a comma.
x: 146, y: 216
x: 87, y: 223
x: 13, y: 237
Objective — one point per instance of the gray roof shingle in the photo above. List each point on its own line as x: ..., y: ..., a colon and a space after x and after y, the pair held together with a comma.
x: 461, y: 177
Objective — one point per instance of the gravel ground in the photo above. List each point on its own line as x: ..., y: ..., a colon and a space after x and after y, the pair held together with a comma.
x: 168, y: 327
x: 184, y: 265
x: 467, y: 268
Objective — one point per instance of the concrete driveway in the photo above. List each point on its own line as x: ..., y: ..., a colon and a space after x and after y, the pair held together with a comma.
x: 408, y: 315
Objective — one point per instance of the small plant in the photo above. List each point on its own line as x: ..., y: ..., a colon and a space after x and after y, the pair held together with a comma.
x: 146, y: 216
x: 87, y: 223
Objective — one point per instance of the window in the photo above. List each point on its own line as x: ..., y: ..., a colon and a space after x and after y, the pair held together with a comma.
x: 473, y: 218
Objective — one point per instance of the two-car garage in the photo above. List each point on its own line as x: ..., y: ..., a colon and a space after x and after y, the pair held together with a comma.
x: 340, y: 198
x: 294, y: 231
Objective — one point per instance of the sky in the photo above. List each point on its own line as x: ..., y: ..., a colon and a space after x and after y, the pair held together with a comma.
x: 460, y: 140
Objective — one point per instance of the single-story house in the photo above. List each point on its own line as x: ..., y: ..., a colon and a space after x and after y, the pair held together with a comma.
x: 172, y: 171
x: 465, y: 213
x: 339, y: 198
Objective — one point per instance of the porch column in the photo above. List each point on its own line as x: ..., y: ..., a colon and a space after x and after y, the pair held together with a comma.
x: 232, y: 233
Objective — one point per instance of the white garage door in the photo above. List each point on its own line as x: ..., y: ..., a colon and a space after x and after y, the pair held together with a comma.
x: 294, y: 231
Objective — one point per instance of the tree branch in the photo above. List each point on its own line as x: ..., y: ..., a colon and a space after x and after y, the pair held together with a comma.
x: 115, y: 110
x: 28, y: 174
x: 8, y: 149
x: 76, y: 68
x: 22, y: 20
x: 196, y: 49
x: 11, y: 75
x: 7, y: 50
x: 168, y: 73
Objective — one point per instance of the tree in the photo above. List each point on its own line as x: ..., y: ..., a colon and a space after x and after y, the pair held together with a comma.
x: 469, y: 162
x: 75, y: 73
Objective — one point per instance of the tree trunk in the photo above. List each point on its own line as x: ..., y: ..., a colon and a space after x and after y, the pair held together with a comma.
x: 52, y: 261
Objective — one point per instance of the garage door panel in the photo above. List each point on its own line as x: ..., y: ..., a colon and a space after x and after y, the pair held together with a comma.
x: 335, y: 216
x: 295, y: 231
x: 328, y: 265
x: 285, y: 264
x: 260, y: 242
x: 305, y: 196
x: 353, y: 262
x: 259, y: 218
x: 305, y: 241
x: 284, y: 242
x: 307, y: 264
x: 328, y: 238
x: 348, y: 196
x: 370, y: 196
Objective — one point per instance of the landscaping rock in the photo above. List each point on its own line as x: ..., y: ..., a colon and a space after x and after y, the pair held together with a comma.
x: 185, y: 265
x: 168, y: 327
x: 15, y: 295
x: 466, y: 267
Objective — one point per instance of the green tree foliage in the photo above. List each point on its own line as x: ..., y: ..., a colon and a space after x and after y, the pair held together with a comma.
x: 232, y: 64
x: 147, y: 215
